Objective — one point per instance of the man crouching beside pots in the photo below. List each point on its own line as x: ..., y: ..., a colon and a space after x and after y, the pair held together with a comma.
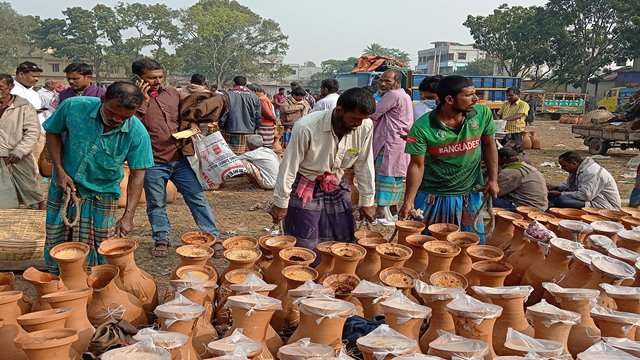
x: 311, y: 194
x: 101, y: 134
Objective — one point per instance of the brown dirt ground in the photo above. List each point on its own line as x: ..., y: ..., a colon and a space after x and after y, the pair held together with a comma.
x: 232, y: 203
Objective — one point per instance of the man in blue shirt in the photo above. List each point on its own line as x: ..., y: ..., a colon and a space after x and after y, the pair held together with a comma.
x: 101, y: 136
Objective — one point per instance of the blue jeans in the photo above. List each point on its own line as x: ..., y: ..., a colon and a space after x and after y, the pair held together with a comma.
x: 564, y: 201
x: 504, y: 204
x: 181, y: 174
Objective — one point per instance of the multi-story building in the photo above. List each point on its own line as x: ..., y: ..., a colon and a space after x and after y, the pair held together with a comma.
x: 446, y: 57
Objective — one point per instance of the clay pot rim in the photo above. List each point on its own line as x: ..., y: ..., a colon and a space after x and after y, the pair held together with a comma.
x: 590, y: 218
x: 305, y: 268
x: 256, y: 252
x: 209, y: 252
x: 410, y: 225
x: 204, y: 268
x: 492, y: 267
x: 631, y: 220
x: 405, y: 251
x: 627, y: 235
x: 612, y: 214
x: 240, y: 241
x: 446, y: 228
x: 262, y: 242
x: 364, y: 242
x: 526, y: 209
x: 325, y: 247
x: 346, y: 279
x: 541, y: 216
x: 417, y: 240
x: 117, y: 242
x: 396, y: 344
x: 555, y: 350
x: 246, y: 272
x: 284, y: 242
x: 29, y: 271
x: 509, y: 215
x: 463, y: 239
x: 67, y: 295
x: 629, y: 209
x: 472, y: 249
x: 364, y: 232
x: 572, y: 213
x: 522, y: 224
x: 452, y: 249
x: 359, y: 251
x: 184, y: 238
x: 10, y: 296
x: 385, y: 273
x: 308, y: 255
x: 599, y: 263
x: 43, y: 316
x: 96, y: 271
x: 457, y: 275
x: 78, y: 245
x: 60, y: 337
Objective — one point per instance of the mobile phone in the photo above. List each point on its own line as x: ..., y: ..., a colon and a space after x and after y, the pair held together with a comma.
x: 134, y: 78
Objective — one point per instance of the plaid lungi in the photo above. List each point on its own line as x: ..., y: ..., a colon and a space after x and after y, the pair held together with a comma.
x: 326, y: 217
x: 97, y: 222
x: 267, y: 133
x: 452, y: 209
x: 237, y: 142
x: 389, y: 189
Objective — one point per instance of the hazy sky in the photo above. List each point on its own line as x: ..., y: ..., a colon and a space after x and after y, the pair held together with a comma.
x: 336, y: 29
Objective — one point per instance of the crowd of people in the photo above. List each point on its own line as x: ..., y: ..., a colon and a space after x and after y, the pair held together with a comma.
x: 437, y: 158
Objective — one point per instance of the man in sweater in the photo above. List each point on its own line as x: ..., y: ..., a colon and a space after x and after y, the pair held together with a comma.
x: 520, y: 183
x: 244, y: 116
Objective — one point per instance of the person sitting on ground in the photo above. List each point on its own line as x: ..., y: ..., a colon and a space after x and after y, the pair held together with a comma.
x: 520, y: 183
x: 588, y: 185
x: 261, y: 162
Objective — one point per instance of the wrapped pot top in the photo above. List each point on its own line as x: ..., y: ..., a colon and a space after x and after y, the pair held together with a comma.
x: 629, y: 234
x: 504, y: 292
x: 607, y: 226
x: 624, y: 344
x: 626, y: 255
x: 571, y: 293
x: 585, y: 256
x: 168, y: 340
x: 604, y: 351
x: 252, y: 284
x: 304, y: 349
x: 368, y: 289
x: 598, y: 241
x: 566, y: 245
x: 600, y: 312
x: 237, y: 340
x: 613, y: 267
x: 551, y: 315
x: 520, y: 342
x: 621, y: 292
x: 434, y: 293
x: 327, y: 308
x: 384, y: 341
x: 180, y: 309
x: 253, y: 302
x: 459, y: 347
x: 465, y: 305
x: 144, y: 350
x: 400, y: 305
x: 310, y: 289
x: 576, y: 226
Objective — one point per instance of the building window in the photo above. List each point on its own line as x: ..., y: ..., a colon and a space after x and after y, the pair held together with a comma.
x: 294, y: 71
x: 462, y: 56
x: 55, y: 68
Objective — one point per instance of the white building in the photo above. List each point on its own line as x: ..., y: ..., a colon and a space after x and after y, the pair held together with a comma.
x: 446, y: 57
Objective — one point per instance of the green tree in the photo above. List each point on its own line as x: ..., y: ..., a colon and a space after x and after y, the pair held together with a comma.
x: 480, y: 67
x: 222, y: 39
x: 15, y: 31
x: 331, y: 68
x: 376, y: 49
x: 309, y: 64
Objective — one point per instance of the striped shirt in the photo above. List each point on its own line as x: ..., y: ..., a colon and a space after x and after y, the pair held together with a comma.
x: 508, y: 110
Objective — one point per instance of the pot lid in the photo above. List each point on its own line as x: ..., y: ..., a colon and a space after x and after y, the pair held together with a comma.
x: 607, y: 226
x: 613, y: 267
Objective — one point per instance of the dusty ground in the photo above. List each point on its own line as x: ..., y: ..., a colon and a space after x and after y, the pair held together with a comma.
x: 232, y: 203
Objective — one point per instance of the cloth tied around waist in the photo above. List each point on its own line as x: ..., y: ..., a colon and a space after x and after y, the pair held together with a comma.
x: 328, y: 183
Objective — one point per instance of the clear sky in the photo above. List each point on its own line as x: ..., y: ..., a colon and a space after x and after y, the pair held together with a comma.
x: 336, y: 29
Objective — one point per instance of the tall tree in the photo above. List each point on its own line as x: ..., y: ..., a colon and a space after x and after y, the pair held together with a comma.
x: 480, y: 67
x: 223, y: 39
x: 376, y: 49
x: 15, y: 31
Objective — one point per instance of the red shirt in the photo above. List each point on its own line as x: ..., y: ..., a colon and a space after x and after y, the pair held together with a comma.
x: 161, y: 119
x: 268, y: 118
x: 276, y: 100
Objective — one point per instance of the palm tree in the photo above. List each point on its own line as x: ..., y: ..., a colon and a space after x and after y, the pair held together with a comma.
x: 375, y: 49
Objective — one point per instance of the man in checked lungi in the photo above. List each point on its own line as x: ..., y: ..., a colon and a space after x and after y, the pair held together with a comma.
x: 101, y: 136
x: 311, y: 194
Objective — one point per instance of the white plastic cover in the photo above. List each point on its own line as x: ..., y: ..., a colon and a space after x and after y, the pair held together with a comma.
x: 432, y: 293
x: 465, y: 305
x: 418, y: 356
x: 566, y: 245
x: 253, y: 302
x: 632, y: 320
x: 621, y: 292
x: 403, y: 308
x: 326, y: 308
x: 607, y: 226
x: 179, y: 309
x: 229, y: 344
x: 624, y: 344
x: 600, y: 242
x: 551, y: 315
x: 181, y: 285
x: 143, y: 350
x: 252, y: 284
x: 458, y: 347
x: 165, y: 339
x: 384, y: 341
x: 626, y: 255
x: 603, y: 351
x: 629, y: 234
x: 518, y: 341
x: 504, y: 292
x: 613, y: 267
x: 368, y: 289
x: 304, y: 349
x: 310, y: 289
x: 586, y: 255
x: 576, y: 226
x: 571, y: 293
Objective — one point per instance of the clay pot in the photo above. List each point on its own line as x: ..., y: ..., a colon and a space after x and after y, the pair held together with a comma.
x: 371, y: 263
x: 287, y: 319
x: 240, y: 242
x: 77, y: 301
x: 599, y: 243
x: 51, y: 344
x: 630, y: 222
x: 571, y: 214
x: 292, y: 256
x: 109, y: 301
x: 503, y: 230
x: 613, y: 215
x: 590, y: 218
x: 557, y: 262
x: 192, y: 255
x: 232, y: 277
x: 401, y: 278
x: 241, y: 258
x: 346, y: 257
x: 302, y: 351
x: 522, y: 259
x: 322, y: 320
x: 267, y: 257
x: 526, y: 140
x: 440, y: 317
x: 342, y: 285
x: 590, y: 210
x: 326, y: 257
x: 517, y: 241
x: 552, y: 323
x: 541, y: 217
x: 207, y: 277
x: 171, y: 190
x: 200, y: 238
x: 384, y: 343
x: 525, y: 210
x: 9, y: 328
x: 275, y: 245
x: 370, y: 299
x: 462, y: 262
x: 364, y: 233
x: 405, y: 316
x: 629, y: 239
x: 71, y: 259
x: 489, y: 273
x: 579, y: 273
x: 391, y: 255
x: 616, y: 324
x: 407, y: 228
x: 43, y: 283
x: 227, y: 347
x: 511, y: 300
x: 183, y: 326
x: 484, y: 252
x: 475, y: 323
x: 441, y: 254
x: 442, y: 230
x: 419, y: 260
x: 120, y: 252
x: 609, y: 229
x: 7, y: 280
x: 608, y: 270
x: 44, y: 319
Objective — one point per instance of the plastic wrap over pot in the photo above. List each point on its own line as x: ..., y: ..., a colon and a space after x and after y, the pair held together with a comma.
x: 613, y: 267
x: 310, y: 289
x: 607, y: 226
x: 571, y: 293
x: 433, y: 293
x: 237, y: 340
x: 341, y: 356
x: 458, y: 347
x: 418, y: 356
x: 181, y: 285
x: 143, y: 350
x: 167, y: 340
x: 631, y: 319
x: 598, y: 241
x: 368, y: 289
x: 504, y: 292
x: 518, y: 341
x: 622, y: 292
x: 304, y: 349
x: 404, y: 308
x: 624, y: 344
x: 566, y: 245
x: 626, y: 255
x: 604, y: 351
x: 327, y: 308
x: 585, y: 256
x: 468, y: 307
x: 252, y: 284
x: 253, y: 302
x: 179, y: 309
x: 385, y: 341
x: 552, y: 315
x: 576, y: 226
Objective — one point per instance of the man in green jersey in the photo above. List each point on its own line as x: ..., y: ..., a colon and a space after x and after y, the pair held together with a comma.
x: 444, y: 178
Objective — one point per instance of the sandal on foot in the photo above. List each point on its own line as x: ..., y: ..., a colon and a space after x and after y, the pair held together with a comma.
x: 218, y: 249
x: 160, y: 249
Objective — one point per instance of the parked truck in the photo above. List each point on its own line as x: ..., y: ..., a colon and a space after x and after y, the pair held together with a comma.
x: 555, y: 104
x: 617, y: 98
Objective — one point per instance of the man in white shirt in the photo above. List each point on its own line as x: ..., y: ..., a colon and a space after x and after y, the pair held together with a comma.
x: 48, y: 97
x: 261, y: 163
x: 329, y: 92
x: 311, y: 194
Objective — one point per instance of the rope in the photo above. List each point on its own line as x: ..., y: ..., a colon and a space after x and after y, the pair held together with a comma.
x: 487, y: 204
x: 69, y: 195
